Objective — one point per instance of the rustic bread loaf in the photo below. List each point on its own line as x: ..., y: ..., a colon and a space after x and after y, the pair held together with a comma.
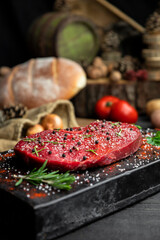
x: 40, y: 81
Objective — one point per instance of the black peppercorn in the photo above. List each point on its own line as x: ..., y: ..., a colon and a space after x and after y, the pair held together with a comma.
x: 33, y: 150
x: 54, y: 132
x: 84, y: 157
x: 96, y: 142
x: 71, y: 129
x: 87, y: 130
x: 65, y: 138
x: 79, y: 143
x: 108, y: 138
x: 63, y: 155
x: 50, y: 152
x: 70, y: 150
x: 107, y: 133
x: 65, y: 134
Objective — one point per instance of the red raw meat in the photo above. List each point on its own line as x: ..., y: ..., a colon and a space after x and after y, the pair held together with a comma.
x: 98, y: 144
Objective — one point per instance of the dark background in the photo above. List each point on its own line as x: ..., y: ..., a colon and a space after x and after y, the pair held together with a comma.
x: 17, y: 15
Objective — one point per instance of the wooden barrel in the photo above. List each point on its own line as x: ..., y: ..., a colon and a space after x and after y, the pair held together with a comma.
x: 62, y: 35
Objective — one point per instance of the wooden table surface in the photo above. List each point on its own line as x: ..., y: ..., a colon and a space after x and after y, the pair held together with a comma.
x: 140, y: 221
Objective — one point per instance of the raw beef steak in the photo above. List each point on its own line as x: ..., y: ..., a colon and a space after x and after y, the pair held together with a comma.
x: 97, y: 144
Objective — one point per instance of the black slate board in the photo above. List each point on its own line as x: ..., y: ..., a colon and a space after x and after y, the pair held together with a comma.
x: 45, y: 213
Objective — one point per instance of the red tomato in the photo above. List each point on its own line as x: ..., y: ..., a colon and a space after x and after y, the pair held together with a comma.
x: 122, y: 111
x: 103, y: 106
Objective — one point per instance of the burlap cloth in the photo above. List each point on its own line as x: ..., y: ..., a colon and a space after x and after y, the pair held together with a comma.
x: 11, y: 131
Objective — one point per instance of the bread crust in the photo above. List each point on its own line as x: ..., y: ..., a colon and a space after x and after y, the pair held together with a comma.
x: 40, y: 81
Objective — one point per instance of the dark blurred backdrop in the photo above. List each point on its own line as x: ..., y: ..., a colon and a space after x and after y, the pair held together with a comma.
x: 17, y: 15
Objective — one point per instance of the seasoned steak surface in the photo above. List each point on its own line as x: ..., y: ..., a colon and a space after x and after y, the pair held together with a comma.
x: 100, y: 143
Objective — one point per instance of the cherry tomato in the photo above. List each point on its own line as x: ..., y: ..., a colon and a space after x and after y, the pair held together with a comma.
x: 122, y: 111
x: 103, y: 106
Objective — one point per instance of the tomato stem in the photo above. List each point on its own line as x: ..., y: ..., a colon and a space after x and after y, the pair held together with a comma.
x: 108, y: 104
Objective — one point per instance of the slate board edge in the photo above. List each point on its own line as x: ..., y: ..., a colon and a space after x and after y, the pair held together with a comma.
x: 92, y: 203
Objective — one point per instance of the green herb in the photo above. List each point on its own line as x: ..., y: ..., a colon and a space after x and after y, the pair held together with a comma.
x: 37, y: 176
x: 139, y: 127
x: 155, y: 140
x: 92, y: 150
x: 29, y: 139
x: 57, y: 129
x: 37, y: 151
x: 119, y: 133
x: 87, y: 136
x: 55, y: 142
x: 115, y: 124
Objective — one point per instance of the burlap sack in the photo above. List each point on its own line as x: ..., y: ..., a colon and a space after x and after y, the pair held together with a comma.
x: 13, y: 130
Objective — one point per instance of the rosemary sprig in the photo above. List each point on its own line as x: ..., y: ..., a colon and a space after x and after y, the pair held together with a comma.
x: 155, y: 140
x: 92, y: 150
x: 37, y: 176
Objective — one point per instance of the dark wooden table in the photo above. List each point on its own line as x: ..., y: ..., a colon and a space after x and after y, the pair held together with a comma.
x: 137, y: 222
